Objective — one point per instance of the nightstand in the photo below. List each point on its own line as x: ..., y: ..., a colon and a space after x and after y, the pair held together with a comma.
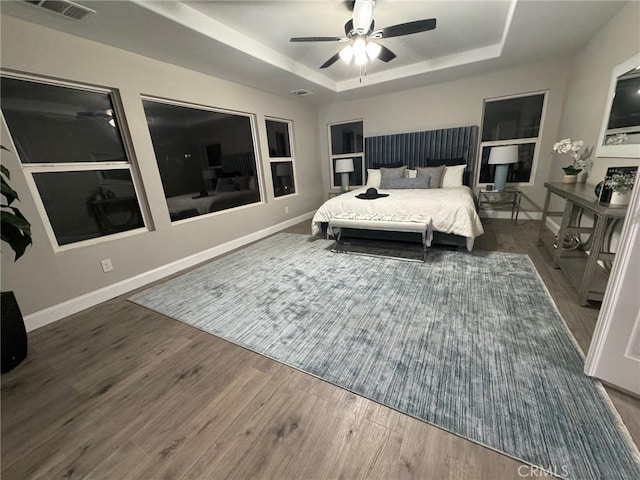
x: 497, y: 198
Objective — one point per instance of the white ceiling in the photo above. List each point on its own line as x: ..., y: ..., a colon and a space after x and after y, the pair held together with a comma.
x: 248, y: 41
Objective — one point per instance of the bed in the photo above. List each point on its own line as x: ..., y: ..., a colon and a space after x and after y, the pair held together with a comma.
x: 229, y: 193
x: 449, y: 207
x: 449, y: 210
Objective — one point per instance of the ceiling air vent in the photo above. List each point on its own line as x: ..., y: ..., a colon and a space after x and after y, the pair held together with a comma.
x: 301, y: 92
x: 63, y: 7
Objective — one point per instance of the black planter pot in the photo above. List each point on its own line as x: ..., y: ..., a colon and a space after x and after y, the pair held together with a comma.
x: 12, y: 333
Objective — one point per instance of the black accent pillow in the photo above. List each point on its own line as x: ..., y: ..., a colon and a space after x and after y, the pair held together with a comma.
x: 376, y: 166
x: 435, y: 162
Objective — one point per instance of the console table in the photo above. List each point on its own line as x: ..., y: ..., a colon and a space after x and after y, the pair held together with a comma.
x: 582, y: 268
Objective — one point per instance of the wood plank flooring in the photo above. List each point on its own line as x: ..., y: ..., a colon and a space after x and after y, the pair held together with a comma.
x: 119, y: 392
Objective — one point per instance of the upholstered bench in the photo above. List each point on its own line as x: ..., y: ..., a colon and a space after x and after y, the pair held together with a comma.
x: 336, y: 224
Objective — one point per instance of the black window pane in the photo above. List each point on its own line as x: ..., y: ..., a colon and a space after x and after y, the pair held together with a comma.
x: 85, y: 205
x: 518, y: 172
x: 53, y: 124
x: 206, y: 159
x: 513, y: 118
x: 625, y: 110
x: 356, y: 178
x: 282, y: 177
x: 346, y: 138
x: 278, y: 139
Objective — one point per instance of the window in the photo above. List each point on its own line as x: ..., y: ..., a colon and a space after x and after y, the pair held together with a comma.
x: 206, y: 157
x: 347, y: 141
x: 69, y: 142
x: 512, y: 121
x: 281, y: 157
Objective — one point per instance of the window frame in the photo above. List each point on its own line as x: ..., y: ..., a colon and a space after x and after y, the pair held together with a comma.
x: 290, y: 158
x: 29, y: 169
x: 256, y: 151
x: 354, y: 155
x: 516, y: 141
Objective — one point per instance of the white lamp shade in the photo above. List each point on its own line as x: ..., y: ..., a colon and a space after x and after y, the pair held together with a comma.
x: 373, y: 50
x: 360, y: 50
x: 344, y: 165
x: 504, y: 154
x: 346, y: 54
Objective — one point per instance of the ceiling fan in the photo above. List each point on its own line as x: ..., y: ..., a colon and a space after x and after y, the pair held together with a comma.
x: 360, y: 35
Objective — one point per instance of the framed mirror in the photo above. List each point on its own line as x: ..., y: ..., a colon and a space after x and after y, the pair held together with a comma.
x: 620, y: 132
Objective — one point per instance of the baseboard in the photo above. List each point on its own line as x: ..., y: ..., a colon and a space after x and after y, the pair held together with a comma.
x: 57, y: 312
x: 522, y: 215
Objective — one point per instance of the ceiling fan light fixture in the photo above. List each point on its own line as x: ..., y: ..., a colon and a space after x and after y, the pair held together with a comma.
x: 361, y: 59
x: 359, y: 46
x: 373, y: 50
x: 360, y: 51
x: 346, y: 54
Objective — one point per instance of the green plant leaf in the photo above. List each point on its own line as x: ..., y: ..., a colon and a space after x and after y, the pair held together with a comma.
x: 15, y: 219
x: 8, y: 192
x: 14, y: 227
x: 15, y: 230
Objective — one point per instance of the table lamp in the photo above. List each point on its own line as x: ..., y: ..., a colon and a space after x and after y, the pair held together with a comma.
x: 209, y: 177
x: 501, y: 157
x: 344, y: 166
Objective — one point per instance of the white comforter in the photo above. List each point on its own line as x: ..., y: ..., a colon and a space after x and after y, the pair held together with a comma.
x: 451, y: 210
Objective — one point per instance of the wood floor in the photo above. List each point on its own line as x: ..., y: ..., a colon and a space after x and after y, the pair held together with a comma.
x: 120, y: 392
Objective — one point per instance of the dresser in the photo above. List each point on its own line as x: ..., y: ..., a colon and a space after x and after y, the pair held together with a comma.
x: 583, y: 262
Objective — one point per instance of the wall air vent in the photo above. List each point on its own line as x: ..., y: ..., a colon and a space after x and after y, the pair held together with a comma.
x: 63, y: 7
x: 301, y: 92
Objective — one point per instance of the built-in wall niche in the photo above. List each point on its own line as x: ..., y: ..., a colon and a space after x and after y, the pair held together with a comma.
x: 620, y: 132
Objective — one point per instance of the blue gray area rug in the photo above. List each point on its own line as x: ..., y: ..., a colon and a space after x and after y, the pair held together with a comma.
x: 470, y: 342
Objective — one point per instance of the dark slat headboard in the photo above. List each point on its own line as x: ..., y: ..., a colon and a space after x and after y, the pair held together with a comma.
x: 413, y: 149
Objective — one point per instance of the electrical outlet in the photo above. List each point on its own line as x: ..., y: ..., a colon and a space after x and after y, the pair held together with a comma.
x: 107, y: 266
x: 286, y: 209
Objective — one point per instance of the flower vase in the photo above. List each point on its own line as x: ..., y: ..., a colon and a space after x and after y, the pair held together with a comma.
x: 620, y: 198
x: 570, y: 179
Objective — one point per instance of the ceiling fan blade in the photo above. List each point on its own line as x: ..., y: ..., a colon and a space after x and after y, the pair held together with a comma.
x: 331, y: 61
x: 385, y: 54
x: 409, y: 28
x: 348, y: 27
x: 317, y: 39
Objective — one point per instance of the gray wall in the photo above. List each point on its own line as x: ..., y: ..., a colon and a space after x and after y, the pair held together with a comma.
x: 588, y: 87
x: 43, y: 278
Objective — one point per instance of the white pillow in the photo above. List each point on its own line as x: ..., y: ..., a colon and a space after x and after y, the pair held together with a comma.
x: 453, y: 176
x: 410, y: 173
x: 373, y: 178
